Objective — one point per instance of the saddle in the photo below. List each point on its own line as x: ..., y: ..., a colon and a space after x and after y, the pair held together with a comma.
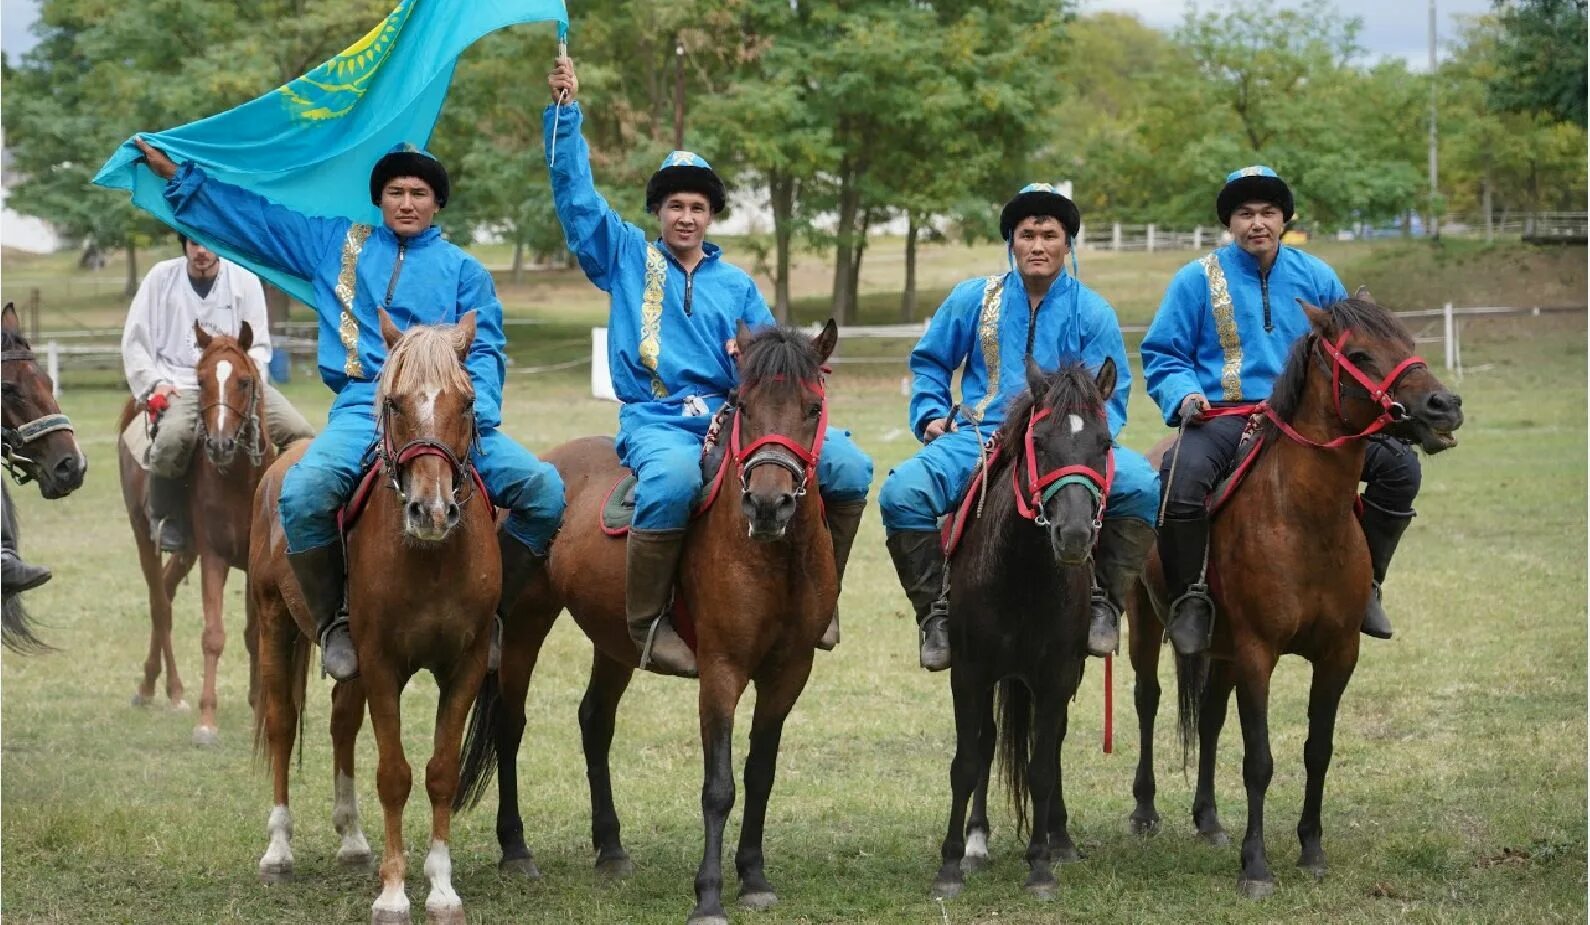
x: 618, y: 508
x: 349, y: 513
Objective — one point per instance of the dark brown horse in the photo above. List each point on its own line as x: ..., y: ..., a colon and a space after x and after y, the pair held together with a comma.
x: 221, y: 481
x: 38, y: 446
x: 759, y: 580
x: 1289, y: 568
x: 1020, y: 579
x: 423, y: 579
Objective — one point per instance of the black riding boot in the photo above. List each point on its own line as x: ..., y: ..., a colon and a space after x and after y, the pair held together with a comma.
x: 17, y: 575
x: 321, y: 579
x: 919, y: 561
x: 1182, y: 545
x: 844, y: 519
x: 1118, y: 559
x: 1383, y: 531
x: 651, y: 568
x: 168, y: 512
x: 520, y: 565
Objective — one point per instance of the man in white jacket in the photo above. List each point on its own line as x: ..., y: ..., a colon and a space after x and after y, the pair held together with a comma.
x: 159, y: 355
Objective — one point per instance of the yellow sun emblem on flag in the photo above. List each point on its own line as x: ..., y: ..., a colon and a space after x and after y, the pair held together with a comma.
x: 335, y: 87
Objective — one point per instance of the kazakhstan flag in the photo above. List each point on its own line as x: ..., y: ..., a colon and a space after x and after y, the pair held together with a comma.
x: 310, y: 144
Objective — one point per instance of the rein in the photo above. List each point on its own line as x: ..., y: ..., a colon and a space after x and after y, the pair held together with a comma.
x: 392, y: 461
x: 13, y: 438
x: 779, y: 450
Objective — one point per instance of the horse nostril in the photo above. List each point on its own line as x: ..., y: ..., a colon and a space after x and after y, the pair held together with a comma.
x: 67, y: 467
x: 453, y: 513
x: 1443, y: 402
x: 416, y: 511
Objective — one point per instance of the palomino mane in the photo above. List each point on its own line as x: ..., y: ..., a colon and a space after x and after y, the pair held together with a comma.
x: 779, y: 353
x: 426, y: 357
x: 1347, y: 315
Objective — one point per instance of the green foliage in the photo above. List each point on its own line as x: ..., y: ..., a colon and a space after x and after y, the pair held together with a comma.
x: 1541, y: 53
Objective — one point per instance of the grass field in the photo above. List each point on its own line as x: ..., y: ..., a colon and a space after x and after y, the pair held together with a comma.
x: 1458, y: 791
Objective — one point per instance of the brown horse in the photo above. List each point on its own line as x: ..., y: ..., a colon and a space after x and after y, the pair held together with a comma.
x: 758, y: 579
x: 1289, y: 567
x: 38, y: 446
x: 221, y: 482
x: 423, y: 579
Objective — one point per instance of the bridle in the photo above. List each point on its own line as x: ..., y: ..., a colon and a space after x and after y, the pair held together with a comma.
x: 779, y: 450
x: 1041, y: 487
x: 14, y: 438
x: 249, y: 434
x: 1391, y: 410
x: 393, y: 460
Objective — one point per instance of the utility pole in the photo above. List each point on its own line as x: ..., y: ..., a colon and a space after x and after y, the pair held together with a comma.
x: 1435, y: 219
x: 679, y: 91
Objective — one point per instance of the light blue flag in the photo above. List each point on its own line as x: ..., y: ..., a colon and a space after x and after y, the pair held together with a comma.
x: 310, y: 144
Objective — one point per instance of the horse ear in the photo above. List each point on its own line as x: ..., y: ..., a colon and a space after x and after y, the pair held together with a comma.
x: 201, y: 335
x: 825, y: 340
x: 1037, y: 382
x: 742, y: 335
x: 389, y: 331
x: 1318, y: 317
x: 1363, y: 295
x: 245, y: 336
x: 8, y: 319
x: 464, y: 334
x: 1105, y: 380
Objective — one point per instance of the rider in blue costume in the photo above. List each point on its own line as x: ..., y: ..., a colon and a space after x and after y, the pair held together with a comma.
x: 674, y: 307
x: 406, y: 267
x: 988, y: 327
x: 1225, y: 329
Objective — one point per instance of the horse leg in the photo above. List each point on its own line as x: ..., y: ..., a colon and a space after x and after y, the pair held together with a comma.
x: 383, y: 690
x: 1062, y: 849
x: 1144, y: 642
x: 977, y: 828
x: 1211, y: 718
x: 720, y: 689
x: 776, y: 694
x: 1043, y: 784
x: 973, y: 697
x: 212, y: 583
x: 598, y: 708
x: 176, y: 570
x: 159, y: 616
x: 459, y: 688
x: 347, y: 717
x: 277, y: 716
x: 1324, y: 695
x: 1253, y: 696
x: 521, y: 647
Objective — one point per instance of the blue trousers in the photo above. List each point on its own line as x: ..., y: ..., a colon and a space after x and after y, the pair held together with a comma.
x: 928, y: 485
x: 665, y: 455
x: 324, y: 479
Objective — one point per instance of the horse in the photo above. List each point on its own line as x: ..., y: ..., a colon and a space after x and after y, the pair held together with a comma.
x: 221, y: 482
x: 1289, y: 568
x: 423, y: 579
x: 758, y: 580
x: 1018, y: 613
x: 38, y: 446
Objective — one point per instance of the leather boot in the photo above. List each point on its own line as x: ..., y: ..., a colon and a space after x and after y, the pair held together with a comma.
x: 844, y: 519
x: 652, y: 564
x: 320, y: 574
x: 1182, y: 544
x: 1118, y: 559
x: 520, y: 566
x: 168, y: 512
x: 919, y: 561
x: 17, y: 575
x: 1383, y: 531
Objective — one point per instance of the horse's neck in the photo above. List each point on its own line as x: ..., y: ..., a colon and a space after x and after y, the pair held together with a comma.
x: 1314, y: 479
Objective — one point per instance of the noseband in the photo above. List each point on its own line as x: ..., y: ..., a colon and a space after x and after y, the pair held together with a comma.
x: 1391, y: 410
x: 1042, y: 487
x: 14, y: 438
x: 779, y: 450
x: 393, y: 460
x: 249, y: 435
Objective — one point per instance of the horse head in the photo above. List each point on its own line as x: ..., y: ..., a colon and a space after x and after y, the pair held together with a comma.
x: 229, y: 397
x: 1374, y: 376
x: 427, y: 423
x: 780, y: 418
x: 1058, y: 441
x: 39, y: 443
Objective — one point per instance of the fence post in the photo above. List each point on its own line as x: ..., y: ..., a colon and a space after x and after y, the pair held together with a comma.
x: 1115, y: 236
x: 1151, y: 237
x: 33, y: 313
x: 1198, y: 237
x: 1446, y: 332
x: 52, y: 364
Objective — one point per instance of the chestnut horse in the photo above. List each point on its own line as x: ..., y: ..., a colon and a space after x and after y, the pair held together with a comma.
x: 38, y: 446
x: 758, y: 578
x: 221, y: 480
x: 1019, y: 591
x: 1289, y: 567
x: 423, y: 578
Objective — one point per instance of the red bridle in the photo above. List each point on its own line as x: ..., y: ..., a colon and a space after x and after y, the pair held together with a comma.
x: 1391, y: 412
x: 393, y: 461
x: 1042, y: 487
x: 780, y: 450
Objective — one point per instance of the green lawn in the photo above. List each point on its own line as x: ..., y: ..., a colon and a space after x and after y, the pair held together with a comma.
x: 1458, y: 791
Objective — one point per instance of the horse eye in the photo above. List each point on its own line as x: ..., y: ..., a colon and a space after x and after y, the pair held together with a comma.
x: 813, y: 411
x: 392, y: 406
x: 1359, y: 357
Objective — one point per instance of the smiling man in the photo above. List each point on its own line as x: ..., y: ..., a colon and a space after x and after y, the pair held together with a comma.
x: 1221, y: 337
x: 987, y: 328
x: 674, y: 304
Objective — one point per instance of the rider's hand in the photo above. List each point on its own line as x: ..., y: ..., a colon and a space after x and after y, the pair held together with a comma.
x: 163, y: 166
x: 937, y: 428
x: 565, y: 86
x: 165, y: 390
x: 1193, y: 408
x: 732, y: 348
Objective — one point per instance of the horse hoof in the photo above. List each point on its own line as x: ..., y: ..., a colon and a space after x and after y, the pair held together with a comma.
x: 947, y: 889
x: 270, y: 874
x: 180, y: 706
x: 758, y: 902
x: 1255, y: 889
x: 1317, y: 870
x: 972, y: 863
x: 445, y: 915
x: 1216, y: 838
x: 390, y: 917
x: 524, y: 868
x: 707, y: 920
x: 139, y: 700
x: 355, y: 860
x: 619, y: 868
x: 1043, y: 892
x: 1145, y: 825
x: 206, y: 736
x: 1066, y: 855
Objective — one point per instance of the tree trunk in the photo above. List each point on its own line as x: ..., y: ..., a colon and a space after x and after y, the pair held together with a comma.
x: 864, y: 223
x: 782, y: 189
x: 518, y: 261
x: 844, y: 255
x: 908, y: 297
x: 131, y: 289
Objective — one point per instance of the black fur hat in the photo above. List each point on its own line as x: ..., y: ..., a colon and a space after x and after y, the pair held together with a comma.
x: 409, y: 161
x: 1039, y: 199
x: 684, y: 172
x: 1253, y: 184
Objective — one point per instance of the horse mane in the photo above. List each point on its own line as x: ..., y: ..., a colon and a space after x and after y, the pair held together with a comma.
x: 1070, y: 388
x: 426, y: 357
x: 779, y: 353
x: 1346, y: 315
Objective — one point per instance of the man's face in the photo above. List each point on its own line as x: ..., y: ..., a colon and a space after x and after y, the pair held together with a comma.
x: 1039, y: 243
x: 201, y: 261
x: 1256, y: 227
x: 684, y: 218
x: 407, y: 205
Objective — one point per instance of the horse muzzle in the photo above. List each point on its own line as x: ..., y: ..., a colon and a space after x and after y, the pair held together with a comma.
x: 768, y: 516
x: 63, y: 476
x: 1436, y: 419
x: 430, y: 520
x: 220, y: 451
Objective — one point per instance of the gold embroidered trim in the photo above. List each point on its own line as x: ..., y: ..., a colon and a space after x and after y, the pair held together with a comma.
x: 347, y: 281
x: 988, y: 335
x: 1226, y: 327
x: 651, y: 306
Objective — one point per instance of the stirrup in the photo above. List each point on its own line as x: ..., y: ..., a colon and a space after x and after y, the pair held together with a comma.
x: 1199, y: 591
x: 1099, y: 597
x: 645, y: 648
x: 340, y: 619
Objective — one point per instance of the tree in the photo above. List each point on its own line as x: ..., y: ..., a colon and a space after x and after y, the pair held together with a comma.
x: 1540, y: 54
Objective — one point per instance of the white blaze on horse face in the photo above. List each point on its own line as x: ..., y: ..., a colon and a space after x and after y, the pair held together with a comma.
x: 223, y: 372
x: 1074, y: 422
x: 345, y: 816
x: 427, y: 409
x: 439, y: 868
x: 279, y: 829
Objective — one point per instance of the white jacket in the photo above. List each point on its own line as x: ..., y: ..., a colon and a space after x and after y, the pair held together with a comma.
x: 158, y: 344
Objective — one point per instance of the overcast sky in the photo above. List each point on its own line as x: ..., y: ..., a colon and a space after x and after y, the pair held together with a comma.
x: 1391, y: 27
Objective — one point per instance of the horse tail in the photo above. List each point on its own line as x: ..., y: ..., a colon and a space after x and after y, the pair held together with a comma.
x: 477, y: 758
x: 297, y: 653
x: 1192, y: 676
x: 1014, y: 702
x: 16, y: 628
